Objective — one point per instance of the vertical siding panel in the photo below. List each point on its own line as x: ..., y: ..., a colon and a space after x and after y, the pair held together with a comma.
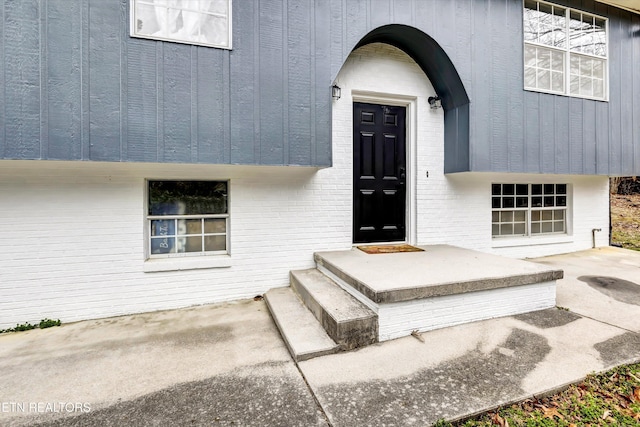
x: 321, y: 137
x: 602, y: 138
x: 63, y: 56
x: 356, y: 21
x: 498, y: 94
x: 635, y: 82
x: 337, y: 31
x: 285, y: 83
x: 547, y: 134
x: 257, y: 68
x: 590, y: 148
x: 402, y: 11
x: 271, y: 100
x: 299, y: 99
x: 85, y: 96
x: 104, y: 76
x: 159, y: 100
x: 3, y: 103
x: 142, y: 107
x: 211, y: 105
x: 576, y: 135
x: 426, y: 16
x: 481, y: 109
x: 22, y: 74
x: 177, y: 103
x: 381, y: 13
x: 462, y: 53
x: 626, y: 100
x: 562, y: 153
x: 532, y: 132
x: 617, y: 98
x: 194, y: 111
x: 445, y: 24
x: 44, y: 74
x: 242, y: 85
x: 514, y: 87
x: 124, y: 44
x: 226, y: 94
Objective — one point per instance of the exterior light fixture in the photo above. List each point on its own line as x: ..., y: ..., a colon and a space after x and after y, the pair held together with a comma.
x: 435, y: 102
x: 336, y: 92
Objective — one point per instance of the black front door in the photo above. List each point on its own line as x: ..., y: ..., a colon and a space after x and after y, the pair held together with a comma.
x: 379, y: 173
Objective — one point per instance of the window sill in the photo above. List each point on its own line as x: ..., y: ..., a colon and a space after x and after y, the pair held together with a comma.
x: 530, y: 241
x: 567, y: 94
x: 155, y: 265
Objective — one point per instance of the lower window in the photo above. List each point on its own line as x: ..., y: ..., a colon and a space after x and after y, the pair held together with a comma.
x: 187, y: 218
x: 528, y: 209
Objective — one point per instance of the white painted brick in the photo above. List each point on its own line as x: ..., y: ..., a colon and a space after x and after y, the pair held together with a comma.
x: 73, y: 232
x: 400, y: 319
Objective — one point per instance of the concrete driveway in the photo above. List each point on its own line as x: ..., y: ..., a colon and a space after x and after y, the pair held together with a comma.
x: 226, y: 364
x: 212, y: 365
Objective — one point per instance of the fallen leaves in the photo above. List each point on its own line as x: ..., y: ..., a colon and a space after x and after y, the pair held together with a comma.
x: 607, y: 399
x: 499, y: 421
x: 551, y: 412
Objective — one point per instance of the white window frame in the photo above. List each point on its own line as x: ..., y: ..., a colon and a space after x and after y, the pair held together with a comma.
x: 177, y: 217
x: 530, y: 209
x: 180, y: 6
x: 568, y: 54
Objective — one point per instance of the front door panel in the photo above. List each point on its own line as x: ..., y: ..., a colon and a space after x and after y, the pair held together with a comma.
x: 379, y: 173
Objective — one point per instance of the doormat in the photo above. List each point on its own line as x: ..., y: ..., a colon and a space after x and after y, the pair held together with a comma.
x: 388, y: 249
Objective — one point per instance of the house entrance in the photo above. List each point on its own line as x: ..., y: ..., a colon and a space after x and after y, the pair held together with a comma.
x: 379, y: 173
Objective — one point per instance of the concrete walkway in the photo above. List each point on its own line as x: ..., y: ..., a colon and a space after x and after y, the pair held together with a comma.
x: 226, y: 364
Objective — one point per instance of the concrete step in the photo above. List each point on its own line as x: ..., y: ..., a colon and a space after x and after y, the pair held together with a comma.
x: 300, y: 330
x: 348, y: 322
x: 439, y: 270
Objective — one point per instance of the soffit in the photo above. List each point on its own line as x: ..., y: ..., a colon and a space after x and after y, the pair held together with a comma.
x: 632, y: 5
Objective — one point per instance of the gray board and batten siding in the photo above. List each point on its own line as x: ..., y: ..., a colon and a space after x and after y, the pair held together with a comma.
x: 76, y: 86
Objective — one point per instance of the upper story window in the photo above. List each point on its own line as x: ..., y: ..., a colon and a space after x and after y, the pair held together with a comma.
x: 187, y: 218
x: 201, y: 22
x: 565, y: 51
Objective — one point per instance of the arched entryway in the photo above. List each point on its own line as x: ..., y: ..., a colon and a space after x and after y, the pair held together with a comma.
x: 385, y: 123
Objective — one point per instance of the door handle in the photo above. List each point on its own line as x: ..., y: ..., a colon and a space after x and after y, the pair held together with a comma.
x: 402, y: 176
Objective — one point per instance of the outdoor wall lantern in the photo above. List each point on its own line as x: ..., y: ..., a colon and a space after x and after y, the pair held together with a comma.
x: 336, y: 92
x: 435, y: 102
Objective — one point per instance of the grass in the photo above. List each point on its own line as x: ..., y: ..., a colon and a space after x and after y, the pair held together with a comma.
x: 625, y: 220
x: 44, y: 323
x: 611, y: 398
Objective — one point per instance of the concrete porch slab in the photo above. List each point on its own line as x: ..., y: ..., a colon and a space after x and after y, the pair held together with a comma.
x: 439, y: 270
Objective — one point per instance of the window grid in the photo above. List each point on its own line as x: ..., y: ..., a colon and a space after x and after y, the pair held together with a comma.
x: 187, y: 218
x: 580, y: 38
x: 187, y: 234
x: 521, y: 210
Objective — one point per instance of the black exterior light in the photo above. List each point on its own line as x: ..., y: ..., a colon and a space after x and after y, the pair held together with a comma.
x: 336, y: 92
x: 435, y: 102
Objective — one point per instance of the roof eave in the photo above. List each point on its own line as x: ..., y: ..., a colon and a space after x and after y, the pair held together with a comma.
x: 630, y: 5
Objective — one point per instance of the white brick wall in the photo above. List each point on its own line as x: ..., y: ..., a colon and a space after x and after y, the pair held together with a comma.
x: 73, y: 240
x: 72, y: 245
